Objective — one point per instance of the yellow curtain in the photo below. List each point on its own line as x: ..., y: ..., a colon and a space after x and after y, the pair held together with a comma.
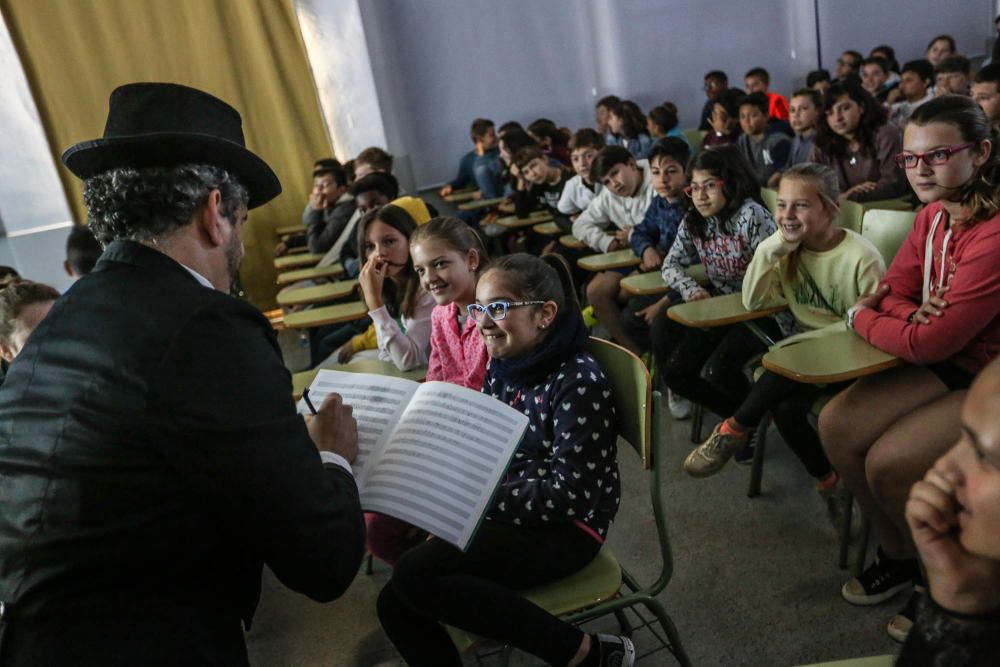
x: 246, y: 52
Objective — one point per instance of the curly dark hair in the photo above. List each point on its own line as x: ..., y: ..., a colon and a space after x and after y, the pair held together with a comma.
x: 14, y: 298
x: 739, y: 183
x: 873, y: 116
x: 154, y: 202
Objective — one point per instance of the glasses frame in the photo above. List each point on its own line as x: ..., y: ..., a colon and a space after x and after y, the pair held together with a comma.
x: 901, y: 157
x: 717, y: 183
x: 476, y: 309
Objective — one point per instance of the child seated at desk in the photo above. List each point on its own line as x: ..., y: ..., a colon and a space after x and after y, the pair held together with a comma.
x: 765, y: 149
x: 937, y: 310
x: 819, y: 270
x: 628, y: 129
x: 580, y: 190
x: 552, y: 512
x: 723, y: 224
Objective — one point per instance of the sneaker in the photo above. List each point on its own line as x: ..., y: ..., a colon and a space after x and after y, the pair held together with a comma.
x: 881, y: 580
x: 615, y: 651
x: 680, y: 407
x: 900, y: 624
x: 710, y: 456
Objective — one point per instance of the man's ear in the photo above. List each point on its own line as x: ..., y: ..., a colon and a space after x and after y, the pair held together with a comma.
x: 209, y: 219
x: 7, y: 352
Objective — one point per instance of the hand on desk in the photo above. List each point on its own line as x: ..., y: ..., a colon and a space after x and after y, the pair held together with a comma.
x: 333, y: 428
x: 699, y: 295
x: 959, y: 581
x: 651, y: 259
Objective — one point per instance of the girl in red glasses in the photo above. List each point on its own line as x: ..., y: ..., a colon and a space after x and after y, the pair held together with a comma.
x: 938, y: 309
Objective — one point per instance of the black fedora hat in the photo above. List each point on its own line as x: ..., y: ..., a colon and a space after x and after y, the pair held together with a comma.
x: 166, y: 124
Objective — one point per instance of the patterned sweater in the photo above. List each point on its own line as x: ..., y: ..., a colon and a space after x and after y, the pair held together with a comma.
x: 725, y: 251
x: 566, y: 467
x: 457, y: 356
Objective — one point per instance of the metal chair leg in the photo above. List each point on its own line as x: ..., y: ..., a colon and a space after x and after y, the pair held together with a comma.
x: 697, y: 414
x: 623, y: 623
x: 757, y: 468
x: 656, y: 608
x: 845, y: 533
x: 859, y: 562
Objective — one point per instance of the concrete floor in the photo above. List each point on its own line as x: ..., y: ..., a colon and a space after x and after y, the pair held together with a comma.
x: 755, y: 580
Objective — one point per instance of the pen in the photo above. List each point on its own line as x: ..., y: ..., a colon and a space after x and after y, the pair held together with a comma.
x: 309, y: 404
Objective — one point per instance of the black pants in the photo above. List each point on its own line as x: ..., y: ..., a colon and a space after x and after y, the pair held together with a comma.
x: 706, y: 365
x: 327, y: 339
x: 789, y: 402
x: 436, y: 583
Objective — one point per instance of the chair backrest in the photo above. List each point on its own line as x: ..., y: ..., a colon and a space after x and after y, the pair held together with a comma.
x: 851, y: 213
x: 638, y: 411
x: 887, y: 230
x: 694, y: 138
x: 632, y: 390
x: 770, y: 198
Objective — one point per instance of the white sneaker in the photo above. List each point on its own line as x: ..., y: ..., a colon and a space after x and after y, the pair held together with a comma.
x: 680, y: 407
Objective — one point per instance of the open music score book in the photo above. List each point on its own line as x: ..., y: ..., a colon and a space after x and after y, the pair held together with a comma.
x: 430, y: 454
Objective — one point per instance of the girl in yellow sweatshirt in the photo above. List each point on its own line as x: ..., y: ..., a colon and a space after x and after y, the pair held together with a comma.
x: 820, y: 270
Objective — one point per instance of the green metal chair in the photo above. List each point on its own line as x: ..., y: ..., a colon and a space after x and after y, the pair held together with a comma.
x: 770, y: 198
x: 887, y: 230
x: 604, y: 587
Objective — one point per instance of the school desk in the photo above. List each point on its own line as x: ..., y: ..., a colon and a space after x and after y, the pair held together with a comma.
x: 506, y: 208
x: 644, y: 284
x: 718, y: 311
x: 332, y: 271
x: 296, y: 261
x: 514, y: 222
x: 478, y: 204
x: 318, y: 293
x: 335, y: 314
x: 572, y: 242
x: 290, y: 229
x: 375, y: 366
x: 459, y: 196
x: 836, y: 357
x: 547, y: 229
x: 610, y: 260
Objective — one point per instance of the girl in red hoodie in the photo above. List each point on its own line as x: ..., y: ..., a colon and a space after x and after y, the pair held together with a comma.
x: 938, y: 309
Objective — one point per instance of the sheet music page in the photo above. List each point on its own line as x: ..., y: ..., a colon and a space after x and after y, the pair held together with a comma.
x: 378, y: 402
x: 442, y: 463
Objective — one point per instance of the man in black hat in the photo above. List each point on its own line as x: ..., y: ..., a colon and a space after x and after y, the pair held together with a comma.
x: 151, y: 459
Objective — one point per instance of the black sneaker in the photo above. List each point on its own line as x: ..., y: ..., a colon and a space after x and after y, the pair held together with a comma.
x: 616, y: 651
x: 900, y: 624
x: 881, y: 581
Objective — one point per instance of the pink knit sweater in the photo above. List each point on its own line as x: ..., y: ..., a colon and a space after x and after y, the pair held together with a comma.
x: 457, y: 356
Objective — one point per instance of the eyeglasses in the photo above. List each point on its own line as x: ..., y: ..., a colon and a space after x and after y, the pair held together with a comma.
x: 496, y: 310
x: 934, y: 158
x: 708, y: 187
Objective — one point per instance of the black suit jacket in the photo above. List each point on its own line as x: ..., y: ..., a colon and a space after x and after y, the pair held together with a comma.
x: 150, y: 461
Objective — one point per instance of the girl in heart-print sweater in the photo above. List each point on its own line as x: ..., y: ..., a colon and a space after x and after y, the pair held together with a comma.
x: 551, y: 512
x: 565, y: 468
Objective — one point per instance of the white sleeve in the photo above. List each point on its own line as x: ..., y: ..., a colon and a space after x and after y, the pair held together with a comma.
x: 590, y: 225
x: 407, y: 350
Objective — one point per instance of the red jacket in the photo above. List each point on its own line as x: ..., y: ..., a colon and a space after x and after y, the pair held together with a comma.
x: 777, y: 106
x: 968, y: 332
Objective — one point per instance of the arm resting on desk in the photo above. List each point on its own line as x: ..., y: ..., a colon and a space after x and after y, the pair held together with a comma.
x: 682, y: 254
x: 590, y: 225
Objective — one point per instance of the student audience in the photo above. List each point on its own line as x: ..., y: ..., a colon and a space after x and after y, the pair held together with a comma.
x: 916, y: 82
x: 546, y: 178
x: 818, y: 80
x: 663, y: 122
x: 725, y: 119
x: 954, y: 75
x: 601, y: 111
x: 480, y: 167
x: 986, y: 92
x: 82, y: 252
x: 940, y: 48
x: 621, y: 203
x: 803, y: 116
x: 716, y: 83
x: 875, y: 78
x: 757, y: 81
x: 765, y: 149
x: 848, y: 66
x: 855, y: 138
x: 580, y: 189
x: 936, y: 310
x: 553, y: 140
x: 628, y: 129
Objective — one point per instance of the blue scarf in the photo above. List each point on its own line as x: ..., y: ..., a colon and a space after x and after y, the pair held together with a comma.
x: 568, y: 336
